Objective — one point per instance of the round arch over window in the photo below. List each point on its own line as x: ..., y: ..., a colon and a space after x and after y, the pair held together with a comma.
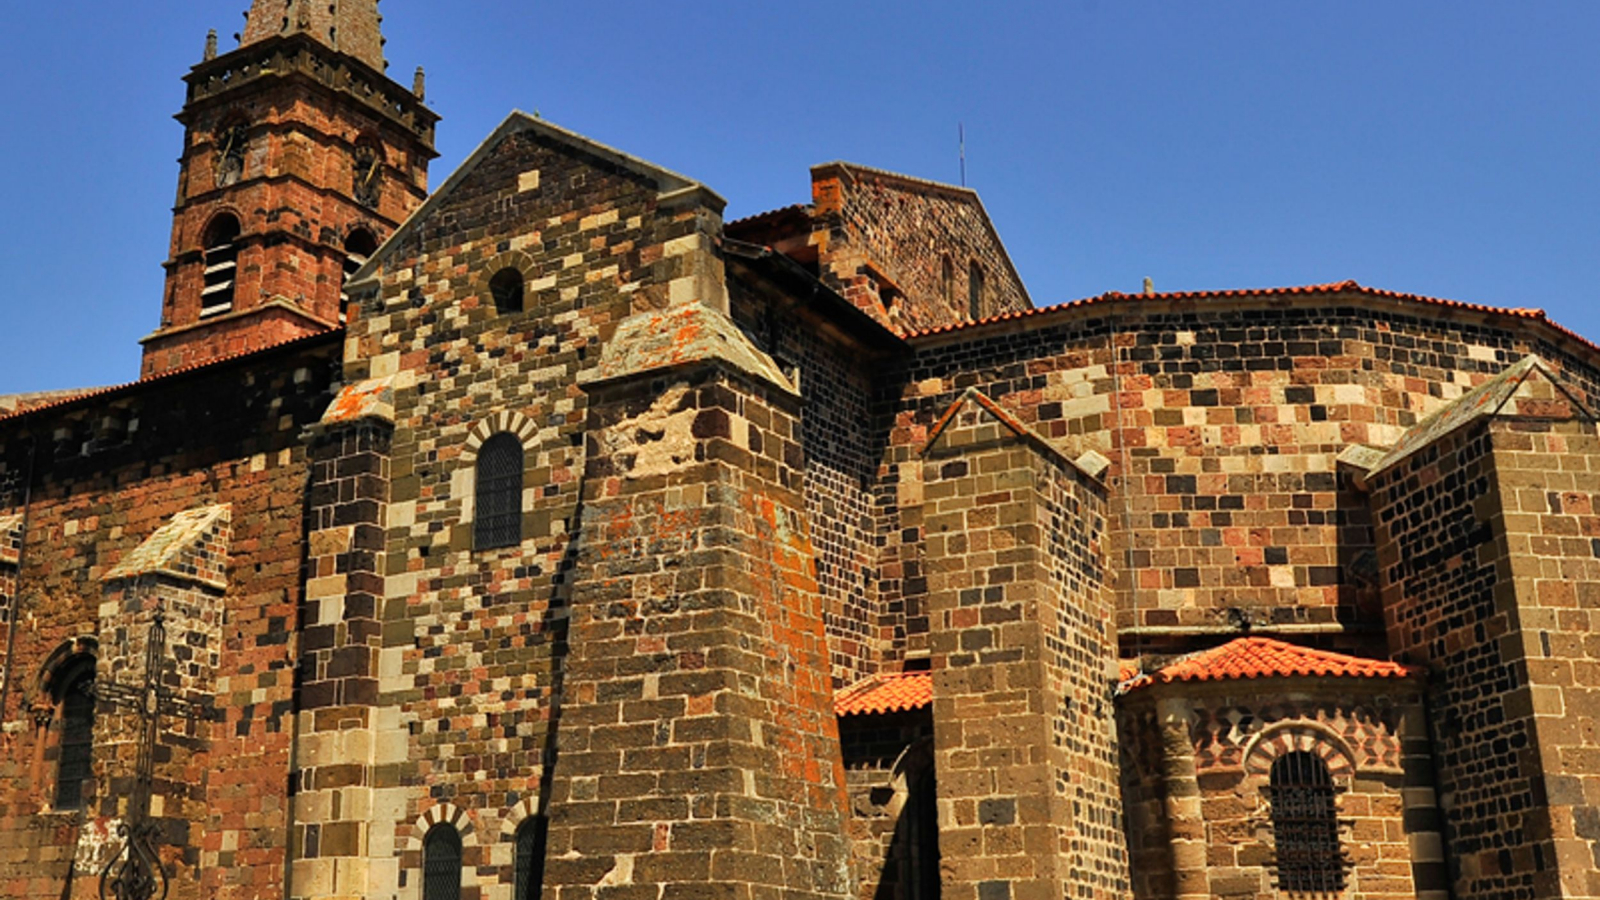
x: 441, y: 863
x: 507, y: 289
x: 73, y: 692
x: 359, y: 246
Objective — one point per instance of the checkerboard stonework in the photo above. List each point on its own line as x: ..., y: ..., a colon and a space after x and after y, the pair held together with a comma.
x: 824, y: 563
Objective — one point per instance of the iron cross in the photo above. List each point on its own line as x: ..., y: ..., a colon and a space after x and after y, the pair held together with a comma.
x: 135, y: 872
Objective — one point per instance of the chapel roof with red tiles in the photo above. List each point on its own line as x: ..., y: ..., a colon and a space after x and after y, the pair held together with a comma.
x: 1260, y: 657
x: 885, y: 693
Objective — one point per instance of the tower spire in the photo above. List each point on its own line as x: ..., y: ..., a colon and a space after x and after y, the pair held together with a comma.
x: 352, y: 27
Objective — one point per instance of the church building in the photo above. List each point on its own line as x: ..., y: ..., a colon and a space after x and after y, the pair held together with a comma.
x: 544, y: 535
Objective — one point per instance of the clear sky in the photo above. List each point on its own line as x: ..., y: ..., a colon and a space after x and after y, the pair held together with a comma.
x: 1445, y: 148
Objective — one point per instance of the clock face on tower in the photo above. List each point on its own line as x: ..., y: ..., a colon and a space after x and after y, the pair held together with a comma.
x: 368, y: 176
x: 231, y: 144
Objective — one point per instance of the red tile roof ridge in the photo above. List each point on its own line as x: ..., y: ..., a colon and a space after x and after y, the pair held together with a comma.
x: 771, y: 213
x: 885, y: 692
x: 170, y: 373
x: 1261, y: 657
x: 1348, y: 286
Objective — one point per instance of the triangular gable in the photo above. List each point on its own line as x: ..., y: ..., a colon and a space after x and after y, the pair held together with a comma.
x: 912, y: 184
x: 1259, y: 657
x: 193, y: 546
x: 1089, y: 463
x: 673, y: 188
x: 1527, y: 388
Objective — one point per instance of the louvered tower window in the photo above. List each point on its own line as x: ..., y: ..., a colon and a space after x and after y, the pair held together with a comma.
x: 222, y: 266
x: 528, y: 873
x: 358, y: 248
x: 77, y: 736
x: 1305, y: 825
x: 499, y: 494
x: 441, y: 863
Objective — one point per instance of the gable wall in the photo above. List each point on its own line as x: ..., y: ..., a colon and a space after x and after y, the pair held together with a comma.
x: 473, y: 642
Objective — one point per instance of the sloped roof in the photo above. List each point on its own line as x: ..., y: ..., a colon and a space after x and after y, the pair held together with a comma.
x: 183, y: 548
x: 885, y: 693
x: 117, y: 390
x: 1309, y: 290
x: 1260, y: 657
x: 1485, y: 400
x: 1090, y: 463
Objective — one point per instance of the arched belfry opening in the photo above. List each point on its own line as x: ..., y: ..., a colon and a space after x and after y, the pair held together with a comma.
x: 221, y: 247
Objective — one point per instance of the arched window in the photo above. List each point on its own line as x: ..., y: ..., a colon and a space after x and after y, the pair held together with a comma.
x: 441, y: 863
x: 947, y: 280
x: 221, y: 244
x: 528, y: 873
x: 358, y: 248
x: 1305, y: 824
x: 506, y: 286
x: 498, y: 506
x: 76, y: 749
x: 974, y: 292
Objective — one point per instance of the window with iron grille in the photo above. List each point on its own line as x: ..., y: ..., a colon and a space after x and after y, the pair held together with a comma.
x: 1305, y: 825
x: 498, y: 500
x: 77, y: 736
x: 441, y: 863
x: 529, y: 871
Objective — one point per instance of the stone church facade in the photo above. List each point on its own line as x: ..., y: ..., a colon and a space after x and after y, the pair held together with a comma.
x: 546, y: 535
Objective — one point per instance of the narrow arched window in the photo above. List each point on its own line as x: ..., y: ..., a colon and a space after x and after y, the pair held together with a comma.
x: 1305, y: 824
x: 947, y: 280
x: 974, y: 292
x: 221, y: 245
x: 498, y: 499
x: 506, y: 287
x: 441, y: 863
x: 358, y: 248
x: 528, y: 874
x: 76, y: 750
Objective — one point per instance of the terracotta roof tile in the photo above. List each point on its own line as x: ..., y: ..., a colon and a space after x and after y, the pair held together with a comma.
x: 886, y: 693
x: 1342, y: 287
x: 170, y: 373
x: 1258, y: 657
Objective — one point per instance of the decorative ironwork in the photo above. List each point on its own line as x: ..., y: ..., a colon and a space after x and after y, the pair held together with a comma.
x: 441, y: 863
x: 1305, y: 825
x: 499, y: 493
x: 135, y: 871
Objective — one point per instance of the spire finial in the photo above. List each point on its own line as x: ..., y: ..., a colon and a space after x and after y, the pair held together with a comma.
x: 419, y: 84
x: 211, y: 45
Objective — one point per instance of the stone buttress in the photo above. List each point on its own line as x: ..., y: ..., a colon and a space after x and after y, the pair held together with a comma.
x: 1025, y: 736
x: 1487, y: 527
x: 340, y: 723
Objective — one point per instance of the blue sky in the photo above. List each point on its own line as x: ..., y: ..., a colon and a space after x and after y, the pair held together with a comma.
x: 1445, y: 148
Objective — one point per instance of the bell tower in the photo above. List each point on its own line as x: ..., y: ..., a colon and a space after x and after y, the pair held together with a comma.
x: 300, y: 156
